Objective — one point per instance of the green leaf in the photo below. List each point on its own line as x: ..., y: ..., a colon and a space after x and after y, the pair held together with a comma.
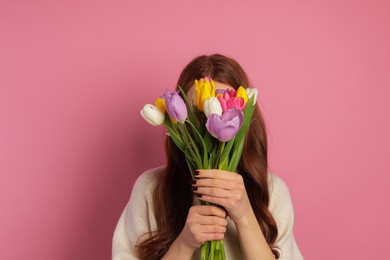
x: 211, y: 161
x: 208, y: 141
x: 175, y: 136
x: 240, y: 136
x: 224, y: 157
x: 191, y: 166
x: 204, y: 147
x: 189, y: 110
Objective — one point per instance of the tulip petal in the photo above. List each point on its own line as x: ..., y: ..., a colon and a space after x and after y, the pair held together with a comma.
x: 222, y: 102
x: 160, y: 103
x: 219, y: 92
x: 175, y: 106
x: 212, y: 106
x: 241, y: 92
x: 252, y: 91
x: 226, y: 126
x: 152, y: 114
x: 205, y: 88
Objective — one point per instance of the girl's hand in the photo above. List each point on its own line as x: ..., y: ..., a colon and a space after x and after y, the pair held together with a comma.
x: 226, y: 189
x: 204, y: 223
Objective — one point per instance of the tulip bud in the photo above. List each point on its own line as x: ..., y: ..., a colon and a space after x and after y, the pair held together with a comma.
x: 175, y: 106
x: 250, y: 92
x: 212, y: 106
x: 225, y: 127
x: 152, y: 115
x: 228, y: 100
x: 241, y: 92
x: 205, y: 88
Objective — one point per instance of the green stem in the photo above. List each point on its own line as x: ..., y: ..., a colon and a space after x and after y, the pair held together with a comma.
x: 203, y: 254
x: 189, y: 110
x: 219, y: 153
x: 205, y: 158
x: 190, y: 143
x: 223, y: 250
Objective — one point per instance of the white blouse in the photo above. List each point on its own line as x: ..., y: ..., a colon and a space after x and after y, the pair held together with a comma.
x: 138, y: 218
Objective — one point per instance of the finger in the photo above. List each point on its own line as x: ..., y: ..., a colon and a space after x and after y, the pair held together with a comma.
x: 214, y: 192
x: 215, y: 173
x: 224, y: 202
x: 212, y: 220
x: 211, y: 236
x: 217, y: 183
x: 209, y: 211
x: 212, y: 229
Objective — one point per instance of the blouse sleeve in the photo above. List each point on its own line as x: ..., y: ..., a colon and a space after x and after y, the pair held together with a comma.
x: 135, y: 220
x: 282, y: 210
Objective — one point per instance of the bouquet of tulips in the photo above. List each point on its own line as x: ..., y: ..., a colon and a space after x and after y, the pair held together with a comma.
x: 210, y: 133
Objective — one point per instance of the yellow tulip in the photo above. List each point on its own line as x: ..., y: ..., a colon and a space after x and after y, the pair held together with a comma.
x: 205, y: 88
x: 160, y: 103
x: 241, y: 92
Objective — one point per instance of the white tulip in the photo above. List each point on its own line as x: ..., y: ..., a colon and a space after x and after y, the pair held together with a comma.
x: 250, y: 92
x: 152, y: 115
x: 212, y: 106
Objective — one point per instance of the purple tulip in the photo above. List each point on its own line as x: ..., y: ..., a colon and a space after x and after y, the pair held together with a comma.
x: 220, y: 91
x: 226, y: 126
x: 175, y: 105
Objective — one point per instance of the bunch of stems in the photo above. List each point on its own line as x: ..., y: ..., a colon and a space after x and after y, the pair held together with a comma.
x: 202, y: 151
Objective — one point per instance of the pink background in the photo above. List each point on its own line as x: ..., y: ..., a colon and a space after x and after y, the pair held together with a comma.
x: 74, y: 74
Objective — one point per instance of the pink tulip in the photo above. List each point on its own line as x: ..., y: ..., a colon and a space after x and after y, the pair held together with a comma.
x: 228, y: 100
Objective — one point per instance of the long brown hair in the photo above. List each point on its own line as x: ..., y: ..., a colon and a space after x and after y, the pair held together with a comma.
x: 173, y: 195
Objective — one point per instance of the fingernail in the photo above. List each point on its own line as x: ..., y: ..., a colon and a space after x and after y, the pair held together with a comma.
x: 196, y: 172
x: 193, y: 182
x: 194, y: 188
